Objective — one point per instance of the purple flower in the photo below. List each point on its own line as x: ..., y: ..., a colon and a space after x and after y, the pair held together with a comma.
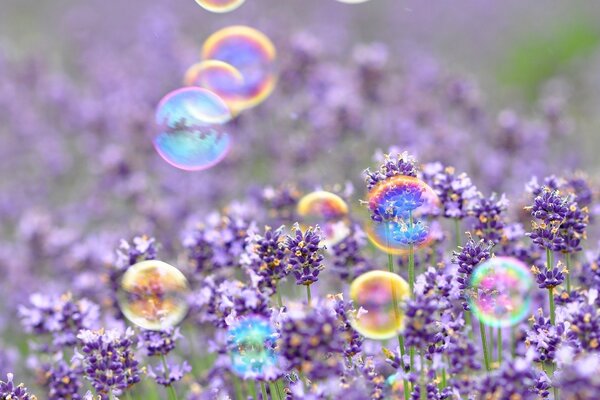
x: 9, y: 391
x: 167, y: 374
x: 306, y: 254
x: 108, y: 361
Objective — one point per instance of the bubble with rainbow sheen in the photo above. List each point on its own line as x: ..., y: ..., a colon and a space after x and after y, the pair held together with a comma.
x: 396, y: 385
x: 220, y: 6
x: 153, y: 295
x: 380, y: 294
x: 192, y: 132
x: 221, y: 78
x: 401, y: 207
x: 329, y: 211
x: 251, y: 345
x: 252, y: 53
x: 499, y: 293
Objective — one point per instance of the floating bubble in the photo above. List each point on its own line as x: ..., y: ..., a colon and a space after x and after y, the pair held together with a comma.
x: 250, y: 52
x: 396, y: 386
x: 251, y: 346
x: 221, y: 78
x: 329, y: 211
x: 192, y: 135
x: 153, y: 295
x: 401, y: 206
x: 500, y: 291
x: 220, y: 6
x: 380, y: 294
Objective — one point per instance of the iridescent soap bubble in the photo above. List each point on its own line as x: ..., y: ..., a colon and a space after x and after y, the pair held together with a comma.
x: 220, y: 6
x: 250, y: 52
x: 153, y: 295
x: 401, y: 207
x: 329, y: 211
x: 192, y: 133
x: 380, y: 294
x: 500, y: 291
x: 396, y: 386
x: 251, y: 346
x: 221, y: 78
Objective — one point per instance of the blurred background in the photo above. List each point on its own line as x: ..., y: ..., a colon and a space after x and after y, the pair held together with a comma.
x: 501, y: 90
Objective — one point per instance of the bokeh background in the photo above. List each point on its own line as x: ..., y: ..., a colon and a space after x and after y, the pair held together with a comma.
x: 502, y: 90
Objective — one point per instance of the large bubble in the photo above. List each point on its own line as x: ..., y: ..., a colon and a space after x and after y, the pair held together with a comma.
x: 153, y: 295
x: 250, y: 52
x: 192, y: 134
x: 220, y: 6
x: 380, y: 294
x: 500, y: 291
x: 401, y: 207
x: 251, y: 345
x: 329, y: 211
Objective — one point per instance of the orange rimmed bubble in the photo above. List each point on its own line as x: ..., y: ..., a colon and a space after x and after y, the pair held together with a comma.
x: 220, y: 78
x: 153, y: 295
x: 380, y: 294
x: 329, y: 211
x: 400, y: 208
x: 220, y: 6
x: 252, y: 53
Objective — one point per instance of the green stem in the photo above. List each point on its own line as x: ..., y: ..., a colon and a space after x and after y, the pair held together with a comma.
x: 252, y: 389
x: 279, y: 302
x: 568, y: 264
x: 469, y: 324
x: 280, y: 389
x: 513, y: 342
x: 457, y: 235
x: 499, y: 347
x: 237, y: 387
x: 549, y: 265
x: 486, y: 359
x: 170, y: 389
x: 491, y: 345
x: 397, y: 316
x: 263, y: 391
x: 308, y: 296
x: 274, y: 390
x: 127, y: 395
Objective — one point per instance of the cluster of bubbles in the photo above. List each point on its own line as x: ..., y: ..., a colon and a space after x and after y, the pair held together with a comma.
x: 379, y: 296
x: 400, y: 206
x: 251, y: 345
x: 236, y: 73
x: 329, y: 211
x: 220, y: 6
x: 154, y: 295
x: 500, y: 291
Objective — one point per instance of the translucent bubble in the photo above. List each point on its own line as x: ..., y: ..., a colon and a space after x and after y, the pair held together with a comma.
x: 329, y: 211
x: 396, y: 386
x: 401, y: 207
x: 153, y: 295
x: 250, y: 52
x: 220, y: 6
x: 192, y: 135
x: 251, y: 346
x: 221, y: 78
x: 500, y: 291
x: 380, y: 294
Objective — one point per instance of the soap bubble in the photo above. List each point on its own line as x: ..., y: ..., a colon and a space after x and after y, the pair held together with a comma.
x: 380, y: 294
x: 251, y: 346
x: 400, y: 207
x: 220, y: 6
x: 329, y: 211
x: 192, y: 135
x: 250, y: 52
x: 500, y: 291
x: 153, y: 295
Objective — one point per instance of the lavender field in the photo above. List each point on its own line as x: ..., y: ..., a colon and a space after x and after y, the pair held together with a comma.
x: 285, y: 199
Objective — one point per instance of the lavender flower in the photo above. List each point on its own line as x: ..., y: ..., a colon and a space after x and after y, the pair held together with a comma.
x: 305, y: 255
x: 10, y: 391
